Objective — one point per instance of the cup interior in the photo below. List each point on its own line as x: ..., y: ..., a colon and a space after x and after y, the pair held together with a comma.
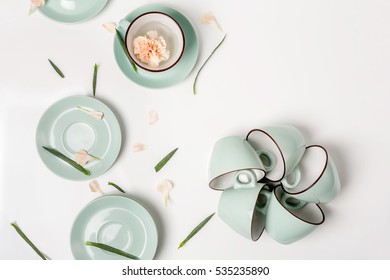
x: 231, y: 179
x: 166, y: 27
x: 307, y: 212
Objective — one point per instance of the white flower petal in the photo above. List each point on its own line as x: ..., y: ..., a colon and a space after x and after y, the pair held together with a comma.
x: 138, y: 147
x: 208, y: 18
x: 152, y: 35
x: 82, y: 157
x: 153, y: 117
x: 97, y: 115
x: 95, y: 187
x: 164, y: 187
x: 110, y: 26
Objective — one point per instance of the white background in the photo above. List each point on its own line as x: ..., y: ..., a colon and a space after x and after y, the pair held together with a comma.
x: 322, y: 66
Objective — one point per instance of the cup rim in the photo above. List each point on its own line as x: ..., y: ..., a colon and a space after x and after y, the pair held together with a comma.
x: 181, y: 31
x: 318, y: 178
x: 280, y: 152
x: 303, y: 220
x: 236, y: 170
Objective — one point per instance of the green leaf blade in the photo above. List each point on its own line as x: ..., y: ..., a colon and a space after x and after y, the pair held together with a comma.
x: 68, y: 160
x: 116, y: 186
x: 111, y: 250
x: 59, y: 72
x: 124, y: 48
x: 94, y: 80
x: 164, y: 161
x: 200, y: 69
x: 195, y: 230
x: 28, y: 241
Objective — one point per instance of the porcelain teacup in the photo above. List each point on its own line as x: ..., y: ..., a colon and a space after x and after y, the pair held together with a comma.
x: 287, y: 224
x: 230, y: 155
x: 280, y: 148
x: 237, y: 206
x: 166, y: 27
x: 318, y: 179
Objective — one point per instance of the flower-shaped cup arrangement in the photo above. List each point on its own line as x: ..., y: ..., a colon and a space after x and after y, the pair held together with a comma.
x: 272, y: 180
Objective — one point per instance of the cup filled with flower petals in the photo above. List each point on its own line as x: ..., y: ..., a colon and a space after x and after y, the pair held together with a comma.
x: 154, y: 41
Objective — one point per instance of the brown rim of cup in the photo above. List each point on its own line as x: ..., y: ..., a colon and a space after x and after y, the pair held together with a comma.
x: 280, y: 151
x: 182, y: 34
x: 223, y: 174
x: 319, y: 177
x: 322, y: 212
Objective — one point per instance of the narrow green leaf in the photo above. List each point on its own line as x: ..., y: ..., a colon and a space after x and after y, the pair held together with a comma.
x: 164, y: 160
x: 68, y: 160
x: 124, y: 48
x: 111, y: 250
x: 95, y: 70
x: 59, y: 72
x: 28, y: 241
x: 195, y: 230
x: 200, y: 69
x: 116, y: 186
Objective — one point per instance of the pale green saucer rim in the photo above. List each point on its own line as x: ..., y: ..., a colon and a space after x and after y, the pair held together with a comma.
x: 45, y: 11
x: 116, y: 200
x: 114, y: 129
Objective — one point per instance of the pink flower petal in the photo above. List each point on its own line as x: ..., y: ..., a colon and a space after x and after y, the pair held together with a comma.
x: 138, y: 148
x: 82, y: 157
x: 38, y: 3
x: 153, y: 117
x: 151, y: 49
x: 35, y: 4
x: 95, y: 187
x: 164, y: 187
x: 208, y: 18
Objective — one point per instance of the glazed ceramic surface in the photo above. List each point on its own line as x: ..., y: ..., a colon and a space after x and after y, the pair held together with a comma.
x: 68, y: 129
x: 117, y: 221
x: 285, y: 146
x: 175, y: 74
x: 319, y: 181
x: 166, y: 27
x: 237, y: 208
x: 229, y: 155
x: 288, y: 225
x: 72, y: 11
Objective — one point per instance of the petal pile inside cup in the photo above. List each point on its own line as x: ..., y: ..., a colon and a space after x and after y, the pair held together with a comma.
x: 284, y: 199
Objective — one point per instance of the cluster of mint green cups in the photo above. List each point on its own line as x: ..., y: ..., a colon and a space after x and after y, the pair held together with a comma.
x: 118, y: 221
x: 272, y: 180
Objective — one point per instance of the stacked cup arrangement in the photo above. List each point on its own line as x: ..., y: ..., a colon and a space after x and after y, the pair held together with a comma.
x: 272, y: 180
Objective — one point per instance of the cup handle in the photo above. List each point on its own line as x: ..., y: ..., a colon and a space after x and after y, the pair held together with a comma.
x: 291, y: 202
x: 245, y: 179
x: 123, y: 25
x: 297, y: 179
x: 263, y: 201
x: 267, y: 159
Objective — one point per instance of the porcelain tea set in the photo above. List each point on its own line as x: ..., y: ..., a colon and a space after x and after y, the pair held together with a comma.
x: 269, y: 180
x: 272, y: 180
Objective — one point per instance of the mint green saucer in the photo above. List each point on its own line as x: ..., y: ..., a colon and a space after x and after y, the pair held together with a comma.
x: 176, y: 73
x: 72, y: 11
x: 68, y: 129
x: 117, y: 221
